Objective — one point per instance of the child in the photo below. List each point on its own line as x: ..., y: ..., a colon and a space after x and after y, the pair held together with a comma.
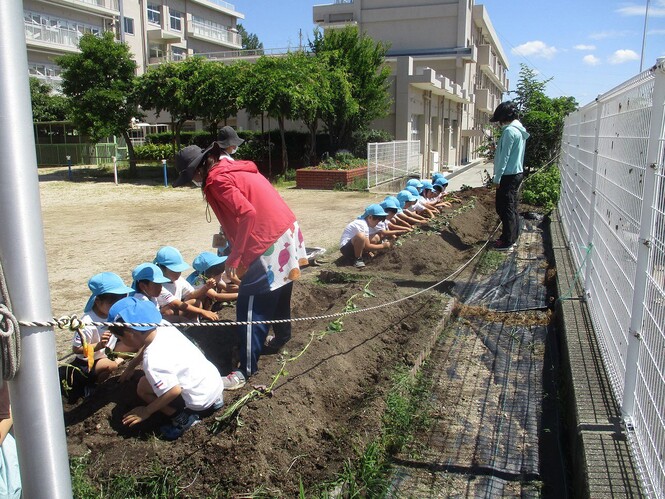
x: 179, y: 381
x: 107, y: 288
x: 148, y: 279
x: 421, y: 205
x: 407, y: 200
x: 208, y: 276
x: 388, y: 229
x: 439, y: 185
x: 355, y: 239
x: 178, y: 299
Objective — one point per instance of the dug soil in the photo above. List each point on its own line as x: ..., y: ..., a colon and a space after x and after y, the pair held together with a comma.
x: 330, y: 401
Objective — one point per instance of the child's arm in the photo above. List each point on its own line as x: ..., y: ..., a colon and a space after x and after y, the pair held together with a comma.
x: 221, y: 295
x: 189, y: 308
x: 201, y: 291
x: 131, y: 367
x: 376, y: 246
x: 143, y: 412
x: 77, y: 348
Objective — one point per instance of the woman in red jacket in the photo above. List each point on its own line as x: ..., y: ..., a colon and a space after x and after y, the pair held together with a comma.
x: 267, y: 246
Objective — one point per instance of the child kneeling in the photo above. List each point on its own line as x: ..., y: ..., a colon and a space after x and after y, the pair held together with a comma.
x: 176, y: 372
x: 355, y: 239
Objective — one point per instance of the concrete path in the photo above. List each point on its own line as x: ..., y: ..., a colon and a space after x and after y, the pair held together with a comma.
x: 472, y: 175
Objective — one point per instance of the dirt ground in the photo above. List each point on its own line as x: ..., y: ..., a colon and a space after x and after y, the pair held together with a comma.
x: 331, y: 400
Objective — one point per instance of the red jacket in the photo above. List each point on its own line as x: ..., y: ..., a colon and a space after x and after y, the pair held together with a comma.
x: 250, y: 210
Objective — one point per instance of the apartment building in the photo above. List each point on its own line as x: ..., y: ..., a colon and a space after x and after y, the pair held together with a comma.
x: 155, y: 30
x: 448, y: 70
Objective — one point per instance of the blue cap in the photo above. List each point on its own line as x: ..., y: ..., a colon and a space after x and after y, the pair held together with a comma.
x: 441, y: 182
x: 414, y: 182
x: 375, y: 210
x: 392, y: 203
x: 404, y: 196
x: 207, y: 259
x: 427, y: 186
x: 170, y: 258
x: 395, y: 202
x: 106, y: 282
x: 132, y: 309
x: 148, y: 272
x: 412, y: 190
x: 437, y: 175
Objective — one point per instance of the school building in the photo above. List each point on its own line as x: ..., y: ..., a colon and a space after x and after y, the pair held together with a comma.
x: 448, y: 70
x: 155, y: 30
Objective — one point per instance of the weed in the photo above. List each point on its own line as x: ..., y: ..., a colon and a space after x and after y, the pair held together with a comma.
x: 490, y: 261
x: 81, y: 484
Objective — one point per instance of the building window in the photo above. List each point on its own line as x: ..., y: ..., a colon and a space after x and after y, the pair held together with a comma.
x: 179, y: 53
x: 175, y: 19
x: 128, y: 25
x: 415, y: 127
x: 156, y: 51
x: 154, y: 13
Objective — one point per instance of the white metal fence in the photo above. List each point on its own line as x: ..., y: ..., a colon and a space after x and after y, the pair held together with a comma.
x: 613, y: 211
x: 388, y: 161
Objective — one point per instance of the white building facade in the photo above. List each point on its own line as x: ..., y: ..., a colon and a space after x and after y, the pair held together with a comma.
x: 448, y: 70
x: 155, y: 30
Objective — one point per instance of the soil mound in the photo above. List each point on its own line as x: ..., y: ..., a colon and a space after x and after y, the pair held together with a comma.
x: 331, y: 399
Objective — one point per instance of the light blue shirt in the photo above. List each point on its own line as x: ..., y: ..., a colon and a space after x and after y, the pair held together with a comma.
x: 509, y: 155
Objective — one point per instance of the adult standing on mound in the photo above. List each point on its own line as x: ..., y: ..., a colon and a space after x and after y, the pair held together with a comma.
x: 508, y: 172
x: 267, y: 246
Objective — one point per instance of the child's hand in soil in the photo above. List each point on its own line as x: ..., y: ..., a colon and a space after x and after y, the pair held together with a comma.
x: 136, y: 415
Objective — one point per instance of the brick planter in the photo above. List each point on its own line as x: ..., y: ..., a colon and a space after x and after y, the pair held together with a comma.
x: 312, y: 178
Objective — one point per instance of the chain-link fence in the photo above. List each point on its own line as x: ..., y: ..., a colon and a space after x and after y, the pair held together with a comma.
x: 387, y: 161
x: 613, y: 209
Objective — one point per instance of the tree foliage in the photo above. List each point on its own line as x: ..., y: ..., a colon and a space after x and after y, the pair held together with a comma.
x: 46, y: 105
x: 360, y: 76
x: 99, y: 82
x: 250, y: 41
x: 542, y: 116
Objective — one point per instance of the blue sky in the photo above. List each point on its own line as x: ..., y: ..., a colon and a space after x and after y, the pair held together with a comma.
x: 586, y: 46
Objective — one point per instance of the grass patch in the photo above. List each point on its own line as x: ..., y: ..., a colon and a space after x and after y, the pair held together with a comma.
x: 406, y: 414
x: 490, y: 261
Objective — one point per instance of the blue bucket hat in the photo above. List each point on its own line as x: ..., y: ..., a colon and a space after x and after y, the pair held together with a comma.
x: 203, y: 262
x: 412, y: 190
x: 106, y: 282
x: 414, y: 182
x: 132, y: 309
x: 405, y: 196
x: 147, y: 272
x: 170, y: 258
x: 441, y: 182
x: 394, y: 201
x: 427, y: 186
x: 437, y: 175
x: 375, y: 210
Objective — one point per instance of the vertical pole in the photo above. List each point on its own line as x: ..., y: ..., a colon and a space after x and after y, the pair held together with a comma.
x: 69, y: 167
x: 35, y: 391
x: 166, y: 177
x: 115, y: 169
x: 644, y: 249
x: 592, y: 204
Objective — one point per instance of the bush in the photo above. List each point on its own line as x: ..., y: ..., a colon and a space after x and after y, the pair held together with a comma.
x: 201, y: 138
x: 343, y: 160
x: 361, y: 138
x: 153, y: 152
x: 543, y: 188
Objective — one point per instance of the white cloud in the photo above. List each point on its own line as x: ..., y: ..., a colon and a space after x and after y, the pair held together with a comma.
x: 657, y: 9
x: 624, y: 55
x: 591, y: 60
x: 603, y: 35
x: 535, y: 48
x: 584, y: 47
x: 656, y: 32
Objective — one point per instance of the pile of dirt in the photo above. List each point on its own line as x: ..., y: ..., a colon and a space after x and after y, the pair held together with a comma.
x: 331, y: 400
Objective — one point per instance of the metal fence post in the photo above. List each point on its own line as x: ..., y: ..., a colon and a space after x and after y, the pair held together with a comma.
x: 644, y: 249
x: 115, y: 169
x: 35, y: 391
x: 593, y: 197
x: 166, y: 177
x: 69, y: 167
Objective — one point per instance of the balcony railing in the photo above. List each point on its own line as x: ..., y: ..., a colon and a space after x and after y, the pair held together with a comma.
x: 51, y: 35
x: 222, y: 3
x: 212, y: 33
x: 106, y: 4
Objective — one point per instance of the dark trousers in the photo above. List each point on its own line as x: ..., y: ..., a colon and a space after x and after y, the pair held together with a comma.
x: 261, y: 307
x: 506, y: 207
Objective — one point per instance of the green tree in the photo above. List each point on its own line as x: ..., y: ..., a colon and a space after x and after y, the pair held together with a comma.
x: 365, y: 98
x: 218, y: 95
x: 281, y: 87
x: 46, y: 105
x: 249, y: 40
x: 99, y: 81
x: 174, y: 87
x: 542, y: 116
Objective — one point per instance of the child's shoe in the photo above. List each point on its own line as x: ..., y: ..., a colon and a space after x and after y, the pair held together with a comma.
x: 359, y: 264
x: 180, y: 423
x: 234, y: 381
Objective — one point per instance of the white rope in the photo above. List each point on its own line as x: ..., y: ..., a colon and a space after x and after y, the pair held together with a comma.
x: 10, y: 334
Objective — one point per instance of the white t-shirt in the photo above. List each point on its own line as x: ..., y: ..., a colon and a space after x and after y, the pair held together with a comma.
x: 383, y: 225
x: 179, y: 289
x: 93, y: 334
x: 358, y: 226
x: 171, y: 359
x: 141, y: 296
x: 165, y: 297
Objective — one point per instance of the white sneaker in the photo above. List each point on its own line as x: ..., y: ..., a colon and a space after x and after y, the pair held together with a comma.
x: 234, y: 381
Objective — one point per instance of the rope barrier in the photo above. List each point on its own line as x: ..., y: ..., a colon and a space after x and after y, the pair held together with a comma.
x: 10, y: 338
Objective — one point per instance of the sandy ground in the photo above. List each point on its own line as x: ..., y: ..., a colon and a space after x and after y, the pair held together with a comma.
x: 92, y: 227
